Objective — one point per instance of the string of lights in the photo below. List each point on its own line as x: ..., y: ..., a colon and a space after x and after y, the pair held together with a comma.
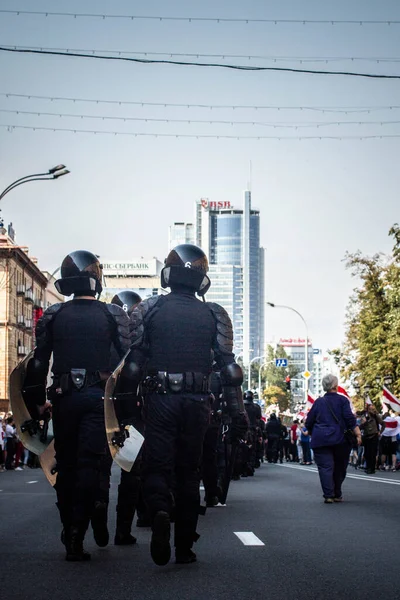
x: 322, y: 109
x: 17, y: 49
x: 103, y: 16
x: 12, y: 127
x: 196, y: 121
x: 224, y: 56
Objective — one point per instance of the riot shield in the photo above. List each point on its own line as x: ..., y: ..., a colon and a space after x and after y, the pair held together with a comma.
x: 124, y: 441
x: 48, y: 463
x: 32, y: 431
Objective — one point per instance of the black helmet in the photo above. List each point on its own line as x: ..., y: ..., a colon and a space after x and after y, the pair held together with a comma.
x: 127, y: 300
x: 186, y: 265
x: 81, y: 274
x: 248, y: 397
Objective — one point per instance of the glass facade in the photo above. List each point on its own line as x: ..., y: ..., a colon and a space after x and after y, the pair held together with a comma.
x: 180, y: 233
x: 220, y: 233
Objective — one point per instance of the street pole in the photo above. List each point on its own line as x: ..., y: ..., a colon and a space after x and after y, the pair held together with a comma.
x: 249, y: 369
x: 47, y: 284
x: 272, y: 305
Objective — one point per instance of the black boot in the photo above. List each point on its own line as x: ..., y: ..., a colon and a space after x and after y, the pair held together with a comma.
x: 184, y: 556
x: 123, y: 536
x: 160, y: 548
x: 74, y: 545
x: 99, y: 524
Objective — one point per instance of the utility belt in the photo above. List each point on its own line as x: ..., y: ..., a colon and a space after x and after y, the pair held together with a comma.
x: 76, y: 379
x: 177, y: 383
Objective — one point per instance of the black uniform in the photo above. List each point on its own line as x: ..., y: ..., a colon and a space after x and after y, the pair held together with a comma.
x: 80, y: 335
x: 273, y: 431
x: 210, y: 470
x: 174, y: 340
x: 254, y: 414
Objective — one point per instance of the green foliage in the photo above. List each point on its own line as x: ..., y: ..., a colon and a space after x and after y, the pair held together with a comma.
x: 371, y: 348
x: 273, y: 378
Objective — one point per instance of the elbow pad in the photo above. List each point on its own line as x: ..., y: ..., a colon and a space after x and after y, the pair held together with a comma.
x: 34, y: 387
x: 232, y: 379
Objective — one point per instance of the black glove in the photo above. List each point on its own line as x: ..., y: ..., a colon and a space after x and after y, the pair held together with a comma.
x: 239, y: 427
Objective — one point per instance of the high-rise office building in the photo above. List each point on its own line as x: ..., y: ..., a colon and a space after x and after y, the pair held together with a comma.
x: 180, y: 233
x: 231, y: 238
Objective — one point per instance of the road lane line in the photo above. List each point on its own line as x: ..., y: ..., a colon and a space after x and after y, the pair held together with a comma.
x: 32, y: 481
x: 248, y: 538
x: 349, y: 475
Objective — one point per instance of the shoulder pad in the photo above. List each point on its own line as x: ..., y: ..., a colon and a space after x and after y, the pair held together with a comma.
x: 224, y: 326
x: 138, y: 318
x: 44, y: 322
x: 122, y: 321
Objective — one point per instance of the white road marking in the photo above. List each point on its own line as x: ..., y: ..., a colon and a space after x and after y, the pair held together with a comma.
x: 31, y: 481
x: 202, y: 489
x: 248, y: 538
x: 349, y: 475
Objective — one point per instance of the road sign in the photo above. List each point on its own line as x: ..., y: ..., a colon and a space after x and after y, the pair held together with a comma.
x: 281, y: 362
x: 306, y: 374
x: 316, y: 351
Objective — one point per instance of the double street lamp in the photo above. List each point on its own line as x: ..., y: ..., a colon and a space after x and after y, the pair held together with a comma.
x: 272, y: 305
x: 53, y: 173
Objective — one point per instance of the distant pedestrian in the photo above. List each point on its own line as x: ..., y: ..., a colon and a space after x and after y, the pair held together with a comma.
x: 389, y: 442
x: 293, y: 442
x: 327, y: 422
x: 372, y: 426
x: 10, y: 443
x: 305, y: 444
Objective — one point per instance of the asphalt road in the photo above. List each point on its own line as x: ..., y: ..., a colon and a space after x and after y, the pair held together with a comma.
x: 310, y: 550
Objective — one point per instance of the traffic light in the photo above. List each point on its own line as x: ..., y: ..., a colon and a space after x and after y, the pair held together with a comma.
x: 288, y: 383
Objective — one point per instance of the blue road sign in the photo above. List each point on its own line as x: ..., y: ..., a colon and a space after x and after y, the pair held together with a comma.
x: 281, y: 362
x: 316, y: 351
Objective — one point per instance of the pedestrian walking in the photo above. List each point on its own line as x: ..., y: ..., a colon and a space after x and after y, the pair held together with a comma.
x: 294, y: 457
x: 372, y: 426
x: 329, y: 421
x: 305, y: 444
x: 10, y: 443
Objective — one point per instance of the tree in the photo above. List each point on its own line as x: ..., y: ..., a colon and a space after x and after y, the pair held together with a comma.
x: 371, y: 347
x: 273, y: 394
x: 275, y: 377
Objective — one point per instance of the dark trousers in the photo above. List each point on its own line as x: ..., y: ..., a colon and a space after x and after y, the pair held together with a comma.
x: 332, y: 464
x: 209, y: 463
x: 175, y: 428
x: 272, y: 448
x: 306, y: 452
x: 81, y: 446
x: 10, y: 447
x: 370, y: 452
x: 293, y: 451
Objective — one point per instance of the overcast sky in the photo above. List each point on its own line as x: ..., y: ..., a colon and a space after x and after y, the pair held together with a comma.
x: 318, y: 198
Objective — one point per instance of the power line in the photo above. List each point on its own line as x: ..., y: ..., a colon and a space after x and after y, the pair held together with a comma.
x: 204, y: 19
x: 323, y: 109
x: 195, y: 121
x: 223, y: 56
x: 11, y: 127
x: 197, y: 64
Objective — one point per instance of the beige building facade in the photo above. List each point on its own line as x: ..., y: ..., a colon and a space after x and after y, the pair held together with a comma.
x: 22, y: 287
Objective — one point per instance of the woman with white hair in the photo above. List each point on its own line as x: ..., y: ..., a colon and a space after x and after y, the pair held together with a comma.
x: 327, y: 421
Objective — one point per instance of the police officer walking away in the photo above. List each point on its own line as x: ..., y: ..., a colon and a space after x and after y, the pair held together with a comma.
x: 129, y: 413
x: 175, y: 338
x: 79, y: 333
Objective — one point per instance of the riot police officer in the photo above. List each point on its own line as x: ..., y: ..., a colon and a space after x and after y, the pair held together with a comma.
x: 254, y: 414
x: 129, y: 413
x: 174, y: 339
x: 79, y: 333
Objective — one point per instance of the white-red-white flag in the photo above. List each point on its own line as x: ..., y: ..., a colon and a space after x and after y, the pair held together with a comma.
x: 342, y: 391
x: 310, y: 401
x: 390, y: 399
x: 368, y: 401
x: 392, y: 426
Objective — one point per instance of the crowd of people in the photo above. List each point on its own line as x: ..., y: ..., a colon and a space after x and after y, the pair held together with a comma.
x: 13, y: 455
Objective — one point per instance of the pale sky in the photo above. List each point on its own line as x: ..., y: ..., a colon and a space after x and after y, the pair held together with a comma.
x: 318, y: 198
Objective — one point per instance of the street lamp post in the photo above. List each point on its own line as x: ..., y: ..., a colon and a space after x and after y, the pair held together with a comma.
x: 272, y: 305
x: 249, y: 369
x: 53, y: 173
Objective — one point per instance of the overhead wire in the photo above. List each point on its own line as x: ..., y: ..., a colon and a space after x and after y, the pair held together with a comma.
x: 222, y: 56
x: 10, y: 127
x: 190, y: 19
x: 195, y: 121
x: 323, y: 109
x: 17, y: 49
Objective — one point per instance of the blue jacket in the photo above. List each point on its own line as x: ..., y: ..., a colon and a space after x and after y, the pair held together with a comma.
x: 324, y: 429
